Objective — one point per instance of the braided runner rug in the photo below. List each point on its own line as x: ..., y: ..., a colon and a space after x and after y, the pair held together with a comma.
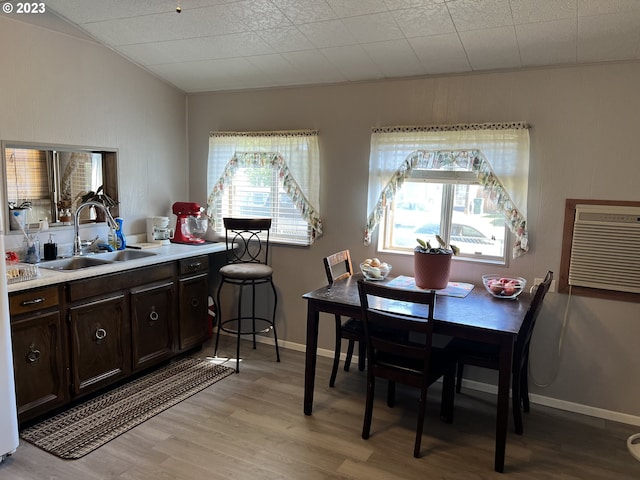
x: 81, y: 429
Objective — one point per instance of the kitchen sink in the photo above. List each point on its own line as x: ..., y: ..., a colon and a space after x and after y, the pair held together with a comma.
x: 124, y: 255
x: 73, y: 263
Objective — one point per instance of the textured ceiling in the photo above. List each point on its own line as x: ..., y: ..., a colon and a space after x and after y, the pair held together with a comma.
x: 217, y: 45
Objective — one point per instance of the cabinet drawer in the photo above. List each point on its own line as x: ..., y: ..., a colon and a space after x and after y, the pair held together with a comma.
x: 194, y: 265
x: 32, y: 300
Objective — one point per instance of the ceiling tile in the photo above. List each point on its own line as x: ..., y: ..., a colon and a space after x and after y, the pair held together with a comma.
x: 600, y: 7
x: 394, y: 58
x: 258, y: 14
x: 305, y: 11
x: 491, y: 48
x: 167, y: 26
x: 286, y: 39
x: 400, y: 4
x: 373, y: 28
x: 608, y: 37
x: 353, y: 62
x: 526, y: 11
x: 548, y: 43
x: 332, y: 33
x: 441, y: 53
x: 480, y: 14
x: 350, y: 8
x: 223, y: 46
x: 422, y: 21
x: 315, y: 66
x: 277, y: 70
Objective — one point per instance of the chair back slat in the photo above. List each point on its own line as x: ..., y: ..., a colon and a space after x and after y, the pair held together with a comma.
x: 247, y: 239
x: 338, y: 266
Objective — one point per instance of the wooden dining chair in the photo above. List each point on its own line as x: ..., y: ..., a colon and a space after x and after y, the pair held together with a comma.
x: 399, y: 349
x: 469, y: 352
x: 338, y: 267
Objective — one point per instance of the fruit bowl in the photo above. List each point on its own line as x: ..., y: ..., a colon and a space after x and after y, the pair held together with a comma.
x: 375, y: 271
x: 503, y: 287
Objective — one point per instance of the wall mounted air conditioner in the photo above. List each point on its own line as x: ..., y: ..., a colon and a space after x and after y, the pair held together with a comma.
x: 605, y: 249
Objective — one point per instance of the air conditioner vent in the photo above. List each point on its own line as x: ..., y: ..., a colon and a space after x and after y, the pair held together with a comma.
x: 605, y: 249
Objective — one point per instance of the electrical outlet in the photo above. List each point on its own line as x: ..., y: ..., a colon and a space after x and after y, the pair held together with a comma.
x: 538, y: 281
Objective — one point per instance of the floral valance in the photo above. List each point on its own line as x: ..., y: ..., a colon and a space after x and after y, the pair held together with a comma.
x: 291, y: 187
x: 497, y: 153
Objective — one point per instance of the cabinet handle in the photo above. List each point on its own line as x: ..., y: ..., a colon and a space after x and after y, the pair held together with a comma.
x: 153, y: 316
x: 34, y: 355
x: 101, y: 333
x: 34, y: 301
x: 195, y: 265
x: 195, y: 302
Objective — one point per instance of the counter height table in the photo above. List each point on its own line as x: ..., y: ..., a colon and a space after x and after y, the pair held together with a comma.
x: 478, y: 316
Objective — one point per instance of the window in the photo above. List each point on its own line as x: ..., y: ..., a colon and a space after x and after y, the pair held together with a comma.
x: 467, y: 183
x: 266, y: 174
x: 429, y: 204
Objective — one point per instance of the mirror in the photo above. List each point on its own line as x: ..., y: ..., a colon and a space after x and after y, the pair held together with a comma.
x: 48, y: 182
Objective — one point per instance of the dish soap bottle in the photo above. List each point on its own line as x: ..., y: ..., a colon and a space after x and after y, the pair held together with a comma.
x: 121, y: 242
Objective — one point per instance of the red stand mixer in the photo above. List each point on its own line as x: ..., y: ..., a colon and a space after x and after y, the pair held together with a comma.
x: 191, y: 224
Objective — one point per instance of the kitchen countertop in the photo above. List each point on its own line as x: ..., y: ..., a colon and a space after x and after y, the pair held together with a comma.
x: 163, y: 254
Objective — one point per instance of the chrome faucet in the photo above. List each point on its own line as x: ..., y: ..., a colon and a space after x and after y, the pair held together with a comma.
x: 77, y: 243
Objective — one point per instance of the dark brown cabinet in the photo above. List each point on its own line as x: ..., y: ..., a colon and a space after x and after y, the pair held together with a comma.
x: 38, y: 352
x: 152, y: 314
x: 193, y: 286
x: 99, y: 343
x: 81, y: 336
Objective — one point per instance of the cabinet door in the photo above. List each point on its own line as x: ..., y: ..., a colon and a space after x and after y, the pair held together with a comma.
x: 193, y: 310
x: 100, y: 343
x: 38, y: 362
x: 152, y: 324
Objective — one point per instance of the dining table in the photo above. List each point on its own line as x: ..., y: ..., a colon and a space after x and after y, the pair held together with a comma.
x: 477, y: 316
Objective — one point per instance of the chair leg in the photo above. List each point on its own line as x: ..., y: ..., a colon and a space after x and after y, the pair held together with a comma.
x: 459, y: 377
x: 421, y: 411
x: 336, y: 354
x: 362, y: 354
x: 239, y: 328
x: 516, y: 398
x: 448, y: 393
x: 347, y: 360
x: 218, y: 320
x: 391, y: 393
x: 524, y: 386
x: 368, y: 410
x: 275, y: 333
x: 253, y: 313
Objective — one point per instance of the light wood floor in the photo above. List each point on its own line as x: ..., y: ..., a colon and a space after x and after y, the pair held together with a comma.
x: 251, y: 426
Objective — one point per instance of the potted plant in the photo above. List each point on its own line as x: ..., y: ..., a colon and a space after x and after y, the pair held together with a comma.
x: 98, y: 196
x: 432, y: 265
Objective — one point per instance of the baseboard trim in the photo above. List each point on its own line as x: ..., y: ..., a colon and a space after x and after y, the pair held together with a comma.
x: 493, y: 389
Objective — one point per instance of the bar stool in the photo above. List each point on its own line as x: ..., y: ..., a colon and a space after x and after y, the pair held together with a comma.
x: 247, y: 243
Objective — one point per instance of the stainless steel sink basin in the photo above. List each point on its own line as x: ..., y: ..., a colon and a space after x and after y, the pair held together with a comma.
x: 73, y: 263
x: 124, y: 255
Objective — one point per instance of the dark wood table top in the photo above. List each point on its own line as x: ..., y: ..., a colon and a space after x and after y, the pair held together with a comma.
x: 478, y: 311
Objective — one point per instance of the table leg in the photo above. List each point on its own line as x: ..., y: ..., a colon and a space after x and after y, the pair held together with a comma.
x: 502, y: 421
x: 313, y: 317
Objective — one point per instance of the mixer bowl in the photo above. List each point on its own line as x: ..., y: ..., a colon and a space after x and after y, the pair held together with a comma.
x: 198, y: 226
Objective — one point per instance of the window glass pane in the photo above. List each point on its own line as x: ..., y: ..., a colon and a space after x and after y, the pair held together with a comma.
x: 459, y: 213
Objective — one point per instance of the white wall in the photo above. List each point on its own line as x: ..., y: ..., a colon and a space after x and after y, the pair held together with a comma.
x: 57, y: 88
x: 585, y: 123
